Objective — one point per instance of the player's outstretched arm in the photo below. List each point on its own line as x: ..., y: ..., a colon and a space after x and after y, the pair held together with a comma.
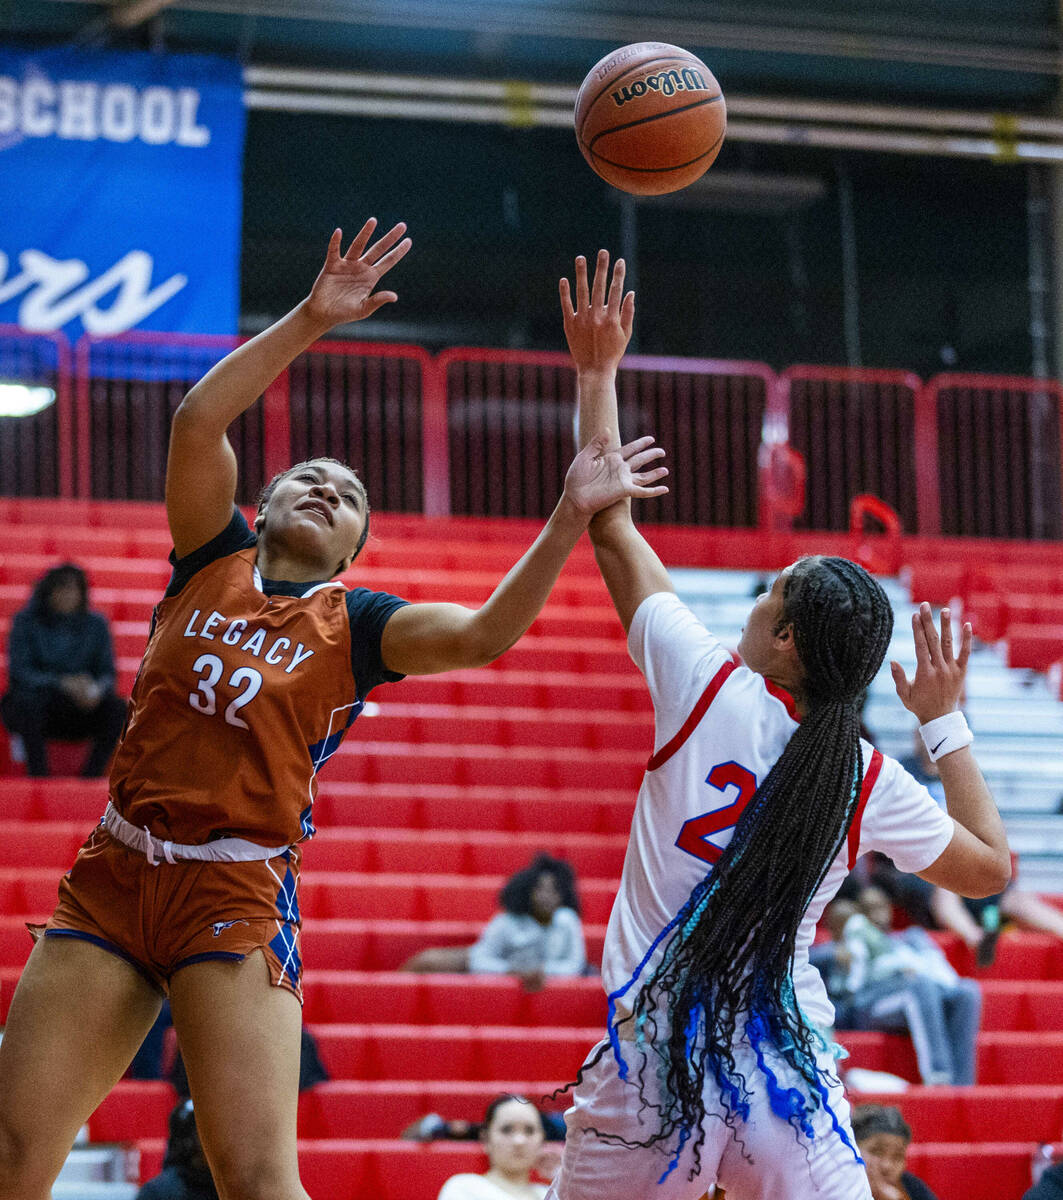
x: 201, y: 470
x: 422, y: 639
x: 598, y: 324
x: 977, y: 862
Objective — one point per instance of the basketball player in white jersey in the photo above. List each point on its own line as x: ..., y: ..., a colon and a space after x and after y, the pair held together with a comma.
x: 758, y: 799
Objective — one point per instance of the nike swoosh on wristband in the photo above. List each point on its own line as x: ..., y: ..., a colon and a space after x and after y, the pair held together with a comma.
x: 939, y: 745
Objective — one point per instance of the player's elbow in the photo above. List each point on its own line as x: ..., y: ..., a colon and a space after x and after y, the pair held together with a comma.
x: 992, y: 879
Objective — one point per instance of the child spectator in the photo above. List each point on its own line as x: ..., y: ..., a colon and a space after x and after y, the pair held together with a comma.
x: 61, y: 674
x: 538, y: 934
x: 902, y: 981
x: 883, y: 1138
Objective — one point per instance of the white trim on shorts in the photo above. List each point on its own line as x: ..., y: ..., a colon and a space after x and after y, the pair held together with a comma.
x: 229, y: 849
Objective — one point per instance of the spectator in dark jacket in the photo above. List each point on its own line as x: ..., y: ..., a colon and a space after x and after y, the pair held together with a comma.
x: 185, y: 1174
x: 61, y: 674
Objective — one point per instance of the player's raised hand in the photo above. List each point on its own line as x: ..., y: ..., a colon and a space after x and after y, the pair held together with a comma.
x: 598, y: 326
x: 343, y: 291
x: 939, y: 673
x: 599, y: 477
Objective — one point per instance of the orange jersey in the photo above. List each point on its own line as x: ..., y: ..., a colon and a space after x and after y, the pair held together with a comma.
x: 240, y: 698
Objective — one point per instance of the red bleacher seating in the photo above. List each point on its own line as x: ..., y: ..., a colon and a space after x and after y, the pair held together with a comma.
x: 456, y: 781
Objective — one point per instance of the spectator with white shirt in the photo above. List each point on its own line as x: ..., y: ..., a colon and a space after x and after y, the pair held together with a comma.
x: 512, y: 1138
x: 537, y: 935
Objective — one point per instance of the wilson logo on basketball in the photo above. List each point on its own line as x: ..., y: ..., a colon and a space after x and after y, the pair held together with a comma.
x: 666, y: 83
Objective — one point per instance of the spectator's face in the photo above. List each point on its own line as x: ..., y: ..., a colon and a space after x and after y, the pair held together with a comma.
x: 514, y: 1137
x: 65, y: 598
x: 875, y: 905
x: 545, y: 897
x: 885, y: 1154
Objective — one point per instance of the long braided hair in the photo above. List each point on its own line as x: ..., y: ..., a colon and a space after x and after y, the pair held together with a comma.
x: 725, y: 969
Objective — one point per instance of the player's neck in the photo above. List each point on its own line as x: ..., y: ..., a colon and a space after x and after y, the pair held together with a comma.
x: 792, y: 687
x: 276, y: 564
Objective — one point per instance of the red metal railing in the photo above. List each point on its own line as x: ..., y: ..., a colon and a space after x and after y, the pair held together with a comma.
x: 476, y: 431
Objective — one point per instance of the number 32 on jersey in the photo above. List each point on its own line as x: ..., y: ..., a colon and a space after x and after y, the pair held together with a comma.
x: 693, y: 837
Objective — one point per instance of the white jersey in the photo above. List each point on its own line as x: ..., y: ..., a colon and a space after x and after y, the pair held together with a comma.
x: 720, y: 727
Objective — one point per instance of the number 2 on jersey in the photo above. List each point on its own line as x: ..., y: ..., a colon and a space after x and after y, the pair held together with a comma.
x: 695, y: 832
x: 205, y: 700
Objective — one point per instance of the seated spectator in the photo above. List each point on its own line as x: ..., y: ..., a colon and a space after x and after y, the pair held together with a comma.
x: 538, y: 933
x: 61, y: 674
x: 512, y: 1138
x: 902, y: 981
x: 883, y: 1138
x: 185, y: 1174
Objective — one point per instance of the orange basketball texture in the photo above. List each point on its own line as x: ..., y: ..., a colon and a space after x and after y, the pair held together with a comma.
x: 650, y: 118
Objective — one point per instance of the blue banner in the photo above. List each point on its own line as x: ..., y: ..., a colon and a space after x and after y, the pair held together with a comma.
x: 120, y: 191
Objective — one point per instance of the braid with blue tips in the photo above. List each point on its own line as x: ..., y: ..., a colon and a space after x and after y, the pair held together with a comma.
x: 723, y: 963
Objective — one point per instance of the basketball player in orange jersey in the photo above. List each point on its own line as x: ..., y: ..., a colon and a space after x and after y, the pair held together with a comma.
x: 257, y: 663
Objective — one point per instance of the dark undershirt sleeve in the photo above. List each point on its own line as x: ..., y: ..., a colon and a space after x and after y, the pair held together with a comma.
x: 369, y: 612
x: 237, y: 535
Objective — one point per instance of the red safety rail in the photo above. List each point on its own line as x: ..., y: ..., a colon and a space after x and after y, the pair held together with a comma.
x: 362, y: 402
x: 855, y: 429
x: 999, y: 448
x: 510, y: 423
x: 37, y: 452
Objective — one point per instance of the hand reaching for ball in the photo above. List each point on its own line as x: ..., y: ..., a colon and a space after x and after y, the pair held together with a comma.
x: 343, y: 291
x: 598, y: 327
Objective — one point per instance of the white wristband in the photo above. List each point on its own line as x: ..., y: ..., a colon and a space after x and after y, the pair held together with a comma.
x: 945, y: 734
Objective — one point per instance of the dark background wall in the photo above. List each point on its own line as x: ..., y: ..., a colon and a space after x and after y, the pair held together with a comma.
x: 498, y: 214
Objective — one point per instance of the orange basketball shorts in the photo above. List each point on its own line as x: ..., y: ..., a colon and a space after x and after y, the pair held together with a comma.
x: 164, y: 917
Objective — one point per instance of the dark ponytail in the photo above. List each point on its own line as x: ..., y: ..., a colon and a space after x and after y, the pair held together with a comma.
x: 725, y: 969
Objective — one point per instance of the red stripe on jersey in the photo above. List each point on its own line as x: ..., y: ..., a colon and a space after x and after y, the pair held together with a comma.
x: 691, y: 723
x: 870, y: 778
x: 784, y: 696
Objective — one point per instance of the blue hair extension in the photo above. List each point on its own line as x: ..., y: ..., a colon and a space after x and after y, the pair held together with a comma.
x: 697, y: 899
x: 786, y: 1102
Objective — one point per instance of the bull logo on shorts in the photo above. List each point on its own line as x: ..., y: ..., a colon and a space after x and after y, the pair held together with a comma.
x: 218, y: 926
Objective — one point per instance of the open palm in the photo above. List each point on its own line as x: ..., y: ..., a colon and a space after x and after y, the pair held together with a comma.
x: 599, y: 477
x: 343, y: 291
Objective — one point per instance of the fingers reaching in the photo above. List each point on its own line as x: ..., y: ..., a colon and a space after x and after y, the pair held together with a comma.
x: 601, y: 272
x: 583, y: 295
x: 361, y: 239
x: 627, y: 314
x: 616, y: 286
x: 567, y: 311
x: 966, y: 638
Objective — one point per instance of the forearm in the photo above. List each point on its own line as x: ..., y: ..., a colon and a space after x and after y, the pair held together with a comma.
x: 234, y: 384
x: 519, y: 597
x: 969, y: 800
x: 627, y: 562
x: 597, y: 406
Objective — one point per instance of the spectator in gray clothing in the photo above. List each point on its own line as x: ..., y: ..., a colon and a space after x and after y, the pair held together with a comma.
x: 538, y: 934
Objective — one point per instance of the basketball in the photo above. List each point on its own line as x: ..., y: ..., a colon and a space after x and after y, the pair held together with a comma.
x: 650, y: 118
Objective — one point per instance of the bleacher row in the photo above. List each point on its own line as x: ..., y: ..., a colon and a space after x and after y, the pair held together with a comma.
x: 444, y: 787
